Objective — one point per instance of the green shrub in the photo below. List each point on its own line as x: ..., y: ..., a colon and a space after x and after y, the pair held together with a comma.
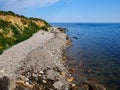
x: 44, y: 28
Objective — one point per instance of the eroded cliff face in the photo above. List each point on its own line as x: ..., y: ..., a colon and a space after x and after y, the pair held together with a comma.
x: 15, y: 28
x: 21, y: 23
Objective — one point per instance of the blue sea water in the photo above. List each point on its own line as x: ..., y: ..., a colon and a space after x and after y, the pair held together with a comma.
x: 98, y: 45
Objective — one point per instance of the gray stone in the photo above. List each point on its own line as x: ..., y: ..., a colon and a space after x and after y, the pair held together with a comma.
x: 58, y: 84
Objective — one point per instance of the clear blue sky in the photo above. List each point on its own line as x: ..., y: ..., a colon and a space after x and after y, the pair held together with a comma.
x: 66, y: 10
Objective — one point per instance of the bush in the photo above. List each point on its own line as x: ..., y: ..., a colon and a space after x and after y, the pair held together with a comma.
x: 44, y: 28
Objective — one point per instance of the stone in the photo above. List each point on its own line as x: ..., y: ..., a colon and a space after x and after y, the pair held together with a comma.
x: 73, y: 85
x: 2, y: 71
x: 58, y: 84
x: 24, y: 85
x: 34, y: 75
x: 70, y: 79
x: 93, y: 79
x: 28, y: 86
x: 44, y: 81
x: 51, y: 74
x: 19, y: 82
x: 41, y: 72
x: 63, y: 74
x: 27, y: 83
x: 4, y: 83
x: 72, y: 70
x: 95, y: 86
x: 82, y: 87
x: 75, y: 37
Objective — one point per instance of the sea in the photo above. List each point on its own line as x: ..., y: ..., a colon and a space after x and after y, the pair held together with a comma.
x: 97, y: 46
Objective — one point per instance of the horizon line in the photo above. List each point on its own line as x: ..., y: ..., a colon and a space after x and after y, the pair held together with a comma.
x: 83, y: 22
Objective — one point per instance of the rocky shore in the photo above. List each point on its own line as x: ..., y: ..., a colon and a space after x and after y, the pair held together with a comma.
x: 39, y: 64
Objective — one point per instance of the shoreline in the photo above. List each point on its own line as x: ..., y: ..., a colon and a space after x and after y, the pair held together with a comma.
x: 38, y: 57
x: 40, y: 63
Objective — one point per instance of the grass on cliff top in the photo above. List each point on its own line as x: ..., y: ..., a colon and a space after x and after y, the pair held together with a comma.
x: 6, y: 27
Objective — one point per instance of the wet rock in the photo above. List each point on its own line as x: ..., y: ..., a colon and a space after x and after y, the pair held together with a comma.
x: 4, y: 83
x: 95, y: 86
x: 90, y: 71
x: 75, y: 37
x: 81, y: 66
x: 82, y: 87
x: 93, y: 79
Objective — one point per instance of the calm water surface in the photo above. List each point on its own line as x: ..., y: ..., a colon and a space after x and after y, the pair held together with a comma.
x: 98, y: 45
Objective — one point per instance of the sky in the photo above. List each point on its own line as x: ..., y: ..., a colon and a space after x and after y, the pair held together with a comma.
x: 66, y: 10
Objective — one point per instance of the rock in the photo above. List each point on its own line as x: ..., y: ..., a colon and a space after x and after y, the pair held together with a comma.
x: 28, y: 86
x: 4, y: 83
x: 90, y: 71
x: 61, y: 29
x: 95, y: 86
x: 58, y: 84
x: 20, y: 88
x: 82, y: 87
x: 44, y: 81
x: 73, y: 85
x: 12, y: 84
x: 34, y: 75
x: 19, y: 82
x: 81, y: 66
x: 30, y: 82
x: 51, y: 74
x: 41, y: 72
x: 63, y: 60
x: 75, y: 37
x: 72, y: 70
x: 63, y: 74
x: 93, y: 79
x: 70, y: 79
x: 27, y: 83
x: 2, y: 71
x: 24, y: 85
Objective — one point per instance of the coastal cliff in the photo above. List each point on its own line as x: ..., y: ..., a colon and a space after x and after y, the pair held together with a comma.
x: 15, y: 28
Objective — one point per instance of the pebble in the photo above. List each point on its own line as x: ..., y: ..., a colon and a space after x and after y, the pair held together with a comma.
x: 34, y: 75
x: 44, y: 81
x: 70, y: 79
x: 58, y: 84
x: 73, y: 85
x: 2, y: 71
x: 41, y: 72
x: 27, y: 83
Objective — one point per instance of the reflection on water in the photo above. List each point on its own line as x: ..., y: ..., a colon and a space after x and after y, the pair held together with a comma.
x: 98, y: 45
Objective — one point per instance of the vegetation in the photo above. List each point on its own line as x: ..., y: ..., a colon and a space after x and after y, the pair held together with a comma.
x: 13, y: 33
